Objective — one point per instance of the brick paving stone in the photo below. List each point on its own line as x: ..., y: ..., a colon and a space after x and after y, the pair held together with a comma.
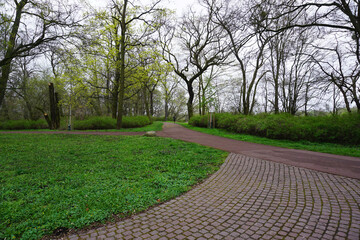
x: 249, y: 198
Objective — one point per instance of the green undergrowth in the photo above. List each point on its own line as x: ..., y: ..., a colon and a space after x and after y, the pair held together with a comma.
x: 332, y: 148
x: 341, y: 129
x: 52, y: 182
x: 95, y: 123
x: 23, y: 124
x: 133, y: 124
x: 155, y: 126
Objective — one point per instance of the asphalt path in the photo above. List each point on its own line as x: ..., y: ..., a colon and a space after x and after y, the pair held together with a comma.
x: 329, y: 163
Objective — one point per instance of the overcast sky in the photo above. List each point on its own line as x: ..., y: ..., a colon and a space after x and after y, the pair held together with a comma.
x: 178, y: 5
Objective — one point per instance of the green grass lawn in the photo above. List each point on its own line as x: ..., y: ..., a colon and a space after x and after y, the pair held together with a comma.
x: 338, y: 149
x: 48, y: 182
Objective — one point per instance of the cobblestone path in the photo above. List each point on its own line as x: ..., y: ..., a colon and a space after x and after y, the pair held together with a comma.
x: 250, y: 198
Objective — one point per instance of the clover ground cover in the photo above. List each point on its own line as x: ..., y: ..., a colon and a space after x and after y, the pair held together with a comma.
x: 50, y: 182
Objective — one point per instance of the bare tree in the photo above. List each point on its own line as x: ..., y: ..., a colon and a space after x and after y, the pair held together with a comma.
x: 336, y: 70
x: 201, y: 47
x: 339, y: 19
x: 247, y: 44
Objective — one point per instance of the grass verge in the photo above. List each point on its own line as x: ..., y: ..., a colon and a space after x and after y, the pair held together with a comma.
x: 353, y: 151
x: 52, y: 182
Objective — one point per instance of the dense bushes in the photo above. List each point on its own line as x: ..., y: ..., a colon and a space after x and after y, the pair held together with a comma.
x: 343, y: 129
x: 23, y: 124
x: 94, y: 123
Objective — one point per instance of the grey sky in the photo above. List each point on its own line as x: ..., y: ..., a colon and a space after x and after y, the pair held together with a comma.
x: 178, y: 5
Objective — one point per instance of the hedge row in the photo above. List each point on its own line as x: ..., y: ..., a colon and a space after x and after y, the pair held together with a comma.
x: 23, y: 124
x: 92, y: 123
x: 343, y: 129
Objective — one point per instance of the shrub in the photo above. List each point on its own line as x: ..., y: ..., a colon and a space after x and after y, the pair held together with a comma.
x: 134, y: 122
x: 200, y: 121
x: 23, y: 124
x: 343, y: 129
x: 95, y: 123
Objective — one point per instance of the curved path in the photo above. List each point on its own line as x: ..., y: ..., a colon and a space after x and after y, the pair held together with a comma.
x: 335, y: 164
x: 249, y: 198
x: 253, y: 198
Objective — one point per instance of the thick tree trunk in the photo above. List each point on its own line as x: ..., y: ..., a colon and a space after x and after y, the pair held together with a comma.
x: 57, y: 111
x: 355, y: 96
x: 122, y: 67
x: 203, y: 104
x: 46, y: 116
x: 166, y: 110
x: 5, y: 69
x: 190, y: 100
x: 347, y: 104
x: 152, y: 103
x: 115, y: 93
x: 52, y: 105
x: 5, y: 72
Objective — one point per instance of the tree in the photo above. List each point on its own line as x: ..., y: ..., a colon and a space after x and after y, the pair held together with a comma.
x: 22, y: 38
x: 339, y: 21
x: 125, y: 18
x: 247, y: 45
x: 337, y: 72
x: 201, y: 47
x: 207, y: 90
x: 29, y: 85
x: 169, y: 85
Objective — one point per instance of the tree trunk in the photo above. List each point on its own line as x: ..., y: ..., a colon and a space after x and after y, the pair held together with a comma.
x: 276, y: 96
x: 190, y: 100
x: 52, y: 105
x: 306, y: 99
x: 148, y: 114
x: 46, y: 116
x: 5, y: 72
x: 200, y: 102
x: 5, y: 69
x: 203, y: 103
x: 115, y: 92
x: 57, y: 111
x: 152, y: 103
x: 355, y: 96
x: 166, y: 110
x: 122, y: 66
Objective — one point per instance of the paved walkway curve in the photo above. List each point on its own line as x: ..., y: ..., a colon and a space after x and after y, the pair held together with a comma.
x: 249, y: 198
x: 335, y: 164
